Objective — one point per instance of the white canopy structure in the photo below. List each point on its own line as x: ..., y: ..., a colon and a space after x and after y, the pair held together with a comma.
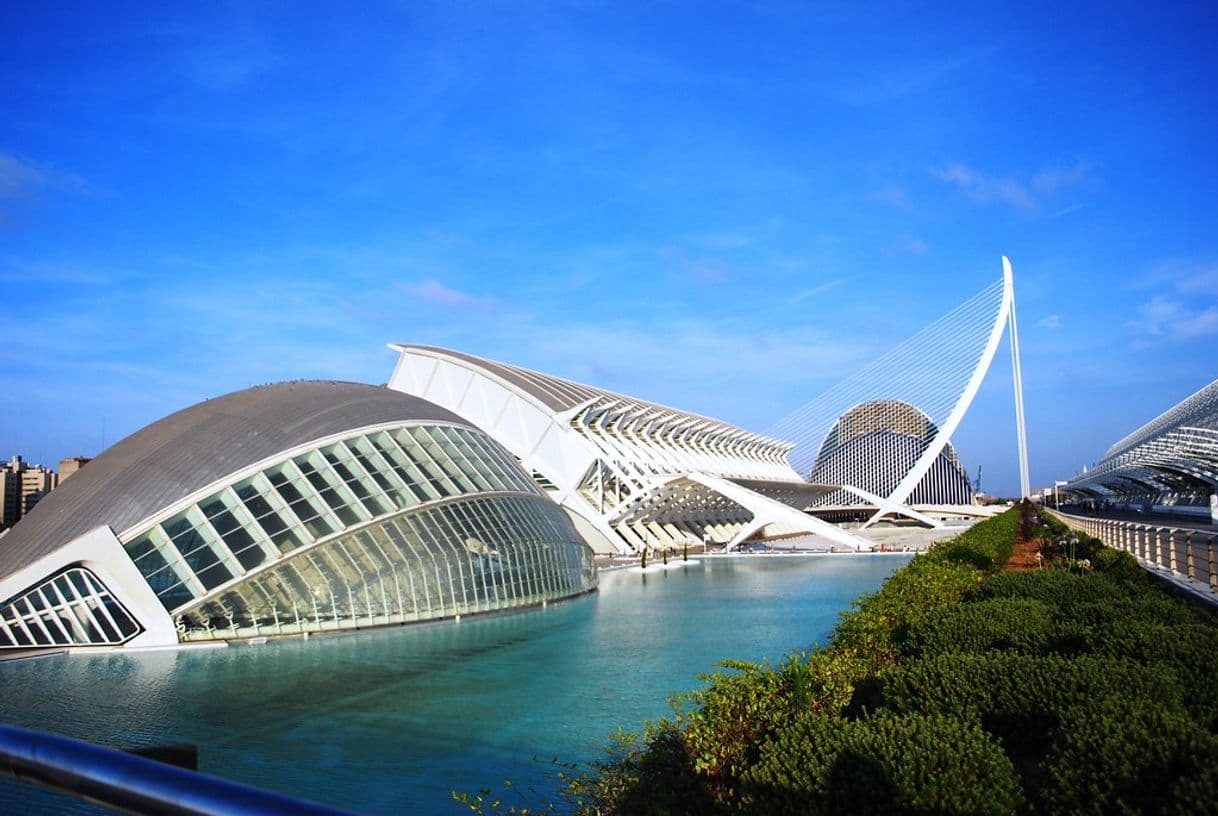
x: 1170, y: 462
x: 631, y: 474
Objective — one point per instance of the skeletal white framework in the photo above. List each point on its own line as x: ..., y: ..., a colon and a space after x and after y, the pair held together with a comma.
x: 938, y: 373
x: 1172, y: 460
x: 632, y: 474
x: 635, y: 475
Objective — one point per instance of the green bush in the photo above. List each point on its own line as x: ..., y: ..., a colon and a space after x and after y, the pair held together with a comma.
x: 1119, y: 564
x: 1021, y: 699
x: 1051, y: 586
x: 1189, y: 651
x: 952, y: 690
x: 916, y: 592
x: 932, y: 581
x: 1011, y: 624
x: 730, y: 718
x: 985, y: 546
x: 651, y: 776
x: 1130, y: 755
x: 910, y: 763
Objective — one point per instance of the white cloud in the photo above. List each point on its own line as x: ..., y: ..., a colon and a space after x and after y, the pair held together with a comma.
x: 17, y: 176
x: 1027, y: 196
x: 1202, y: 280
x: 1052, y: 321
x: 1169, y: 319
x: 434, y: 292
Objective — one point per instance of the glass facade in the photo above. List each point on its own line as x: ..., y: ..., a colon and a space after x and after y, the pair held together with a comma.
x: 403, y: 524
x: 71, y: 608
x: 451, y: 558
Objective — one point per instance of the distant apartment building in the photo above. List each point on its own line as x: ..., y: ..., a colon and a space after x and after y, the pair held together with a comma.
x: 22, y: 485
x: 70, y: 465
x: 10, y: 497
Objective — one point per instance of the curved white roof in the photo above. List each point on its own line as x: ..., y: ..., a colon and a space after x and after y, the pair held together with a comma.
x: 188, y: 450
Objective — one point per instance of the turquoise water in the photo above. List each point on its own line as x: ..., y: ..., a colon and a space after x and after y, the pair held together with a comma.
x: 390, y: 721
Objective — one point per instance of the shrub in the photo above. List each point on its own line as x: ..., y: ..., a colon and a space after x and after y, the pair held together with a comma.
x: 910, y: 763
x: 738, y: 710
x: 1127, y: 755
x: 1119, y: 564
x: 1015, y: 624
x: 924, y: 586
x: 1021, y: 699
x: 1055, y: 587
x: 985, y: 546
x: 1190, y: 651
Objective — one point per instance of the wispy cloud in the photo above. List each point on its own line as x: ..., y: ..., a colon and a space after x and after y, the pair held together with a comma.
x: 819, y: 289
x: 1184, y: 305
x: 1027, y: 195
x: 1187, y: 277
x: 434, y: 292
x: 1052, y: 321
x: 23, y: 179
x: 1172, y: 320
x: 894, y: 81
x: 18, y: 176
x: 893, y: 194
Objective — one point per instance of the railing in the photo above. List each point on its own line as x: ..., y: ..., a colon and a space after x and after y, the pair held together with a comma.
x: 1186, y: 553
x: 132, y: 783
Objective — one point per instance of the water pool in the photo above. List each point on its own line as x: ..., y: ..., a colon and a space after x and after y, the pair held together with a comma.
x: 389, y: 721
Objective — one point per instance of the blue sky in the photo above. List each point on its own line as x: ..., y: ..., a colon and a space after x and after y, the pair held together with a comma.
x: 722, y: 207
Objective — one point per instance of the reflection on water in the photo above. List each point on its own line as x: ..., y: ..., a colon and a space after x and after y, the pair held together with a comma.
x: 391, y: 720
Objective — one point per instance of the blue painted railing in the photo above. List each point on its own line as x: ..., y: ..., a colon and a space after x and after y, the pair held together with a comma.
x: 132, y: 783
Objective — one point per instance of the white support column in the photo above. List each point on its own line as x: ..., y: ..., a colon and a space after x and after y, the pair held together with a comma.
x: 1017, y: 382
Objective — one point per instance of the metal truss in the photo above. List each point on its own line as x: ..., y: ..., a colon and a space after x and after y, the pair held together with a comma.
x: 1175, y: 453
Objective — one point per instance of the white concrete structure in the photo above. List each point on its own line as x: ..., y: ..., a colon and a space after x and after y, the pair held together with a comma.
x: 1170, y: 463
x: 631, y: 474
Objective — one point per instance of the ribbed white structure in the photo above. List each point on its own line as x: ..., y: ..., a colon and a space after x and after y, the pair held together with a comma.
x: 1172, y: 460
x: 633, y: 474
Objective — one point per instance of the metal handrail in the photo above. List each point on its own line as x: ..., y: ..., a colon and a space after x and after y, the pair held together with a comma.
x: 1159, y: 546
x: 135, y: 784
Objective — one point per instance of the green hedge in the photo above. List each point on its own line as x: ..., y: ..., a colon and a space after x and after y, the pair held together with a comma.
x: 1130, y: 755
x: 953, y: 690
x: 1013, y: 624
x: 909, y: 763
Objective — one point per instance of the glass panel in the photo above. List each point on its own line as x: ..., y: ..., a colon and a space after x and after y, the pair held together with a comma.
x: 367, y: 491
x: 405, y: 467
x: 301, y: 501
x: 434, y: 474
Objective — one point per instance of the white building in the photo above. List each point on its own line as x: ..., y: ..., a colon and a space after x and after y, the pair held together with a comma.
x: 631, y: 474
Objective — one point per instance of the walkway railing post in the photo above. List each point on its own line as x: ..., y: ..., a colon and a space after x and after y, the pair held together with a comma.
x: 1209, y: 559
x: 1171, y: 549
x: 1188, y: 555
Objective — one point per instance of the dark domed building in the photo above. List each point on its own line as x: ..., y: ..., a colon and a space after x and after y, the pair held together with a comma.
x: 875, y: 444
